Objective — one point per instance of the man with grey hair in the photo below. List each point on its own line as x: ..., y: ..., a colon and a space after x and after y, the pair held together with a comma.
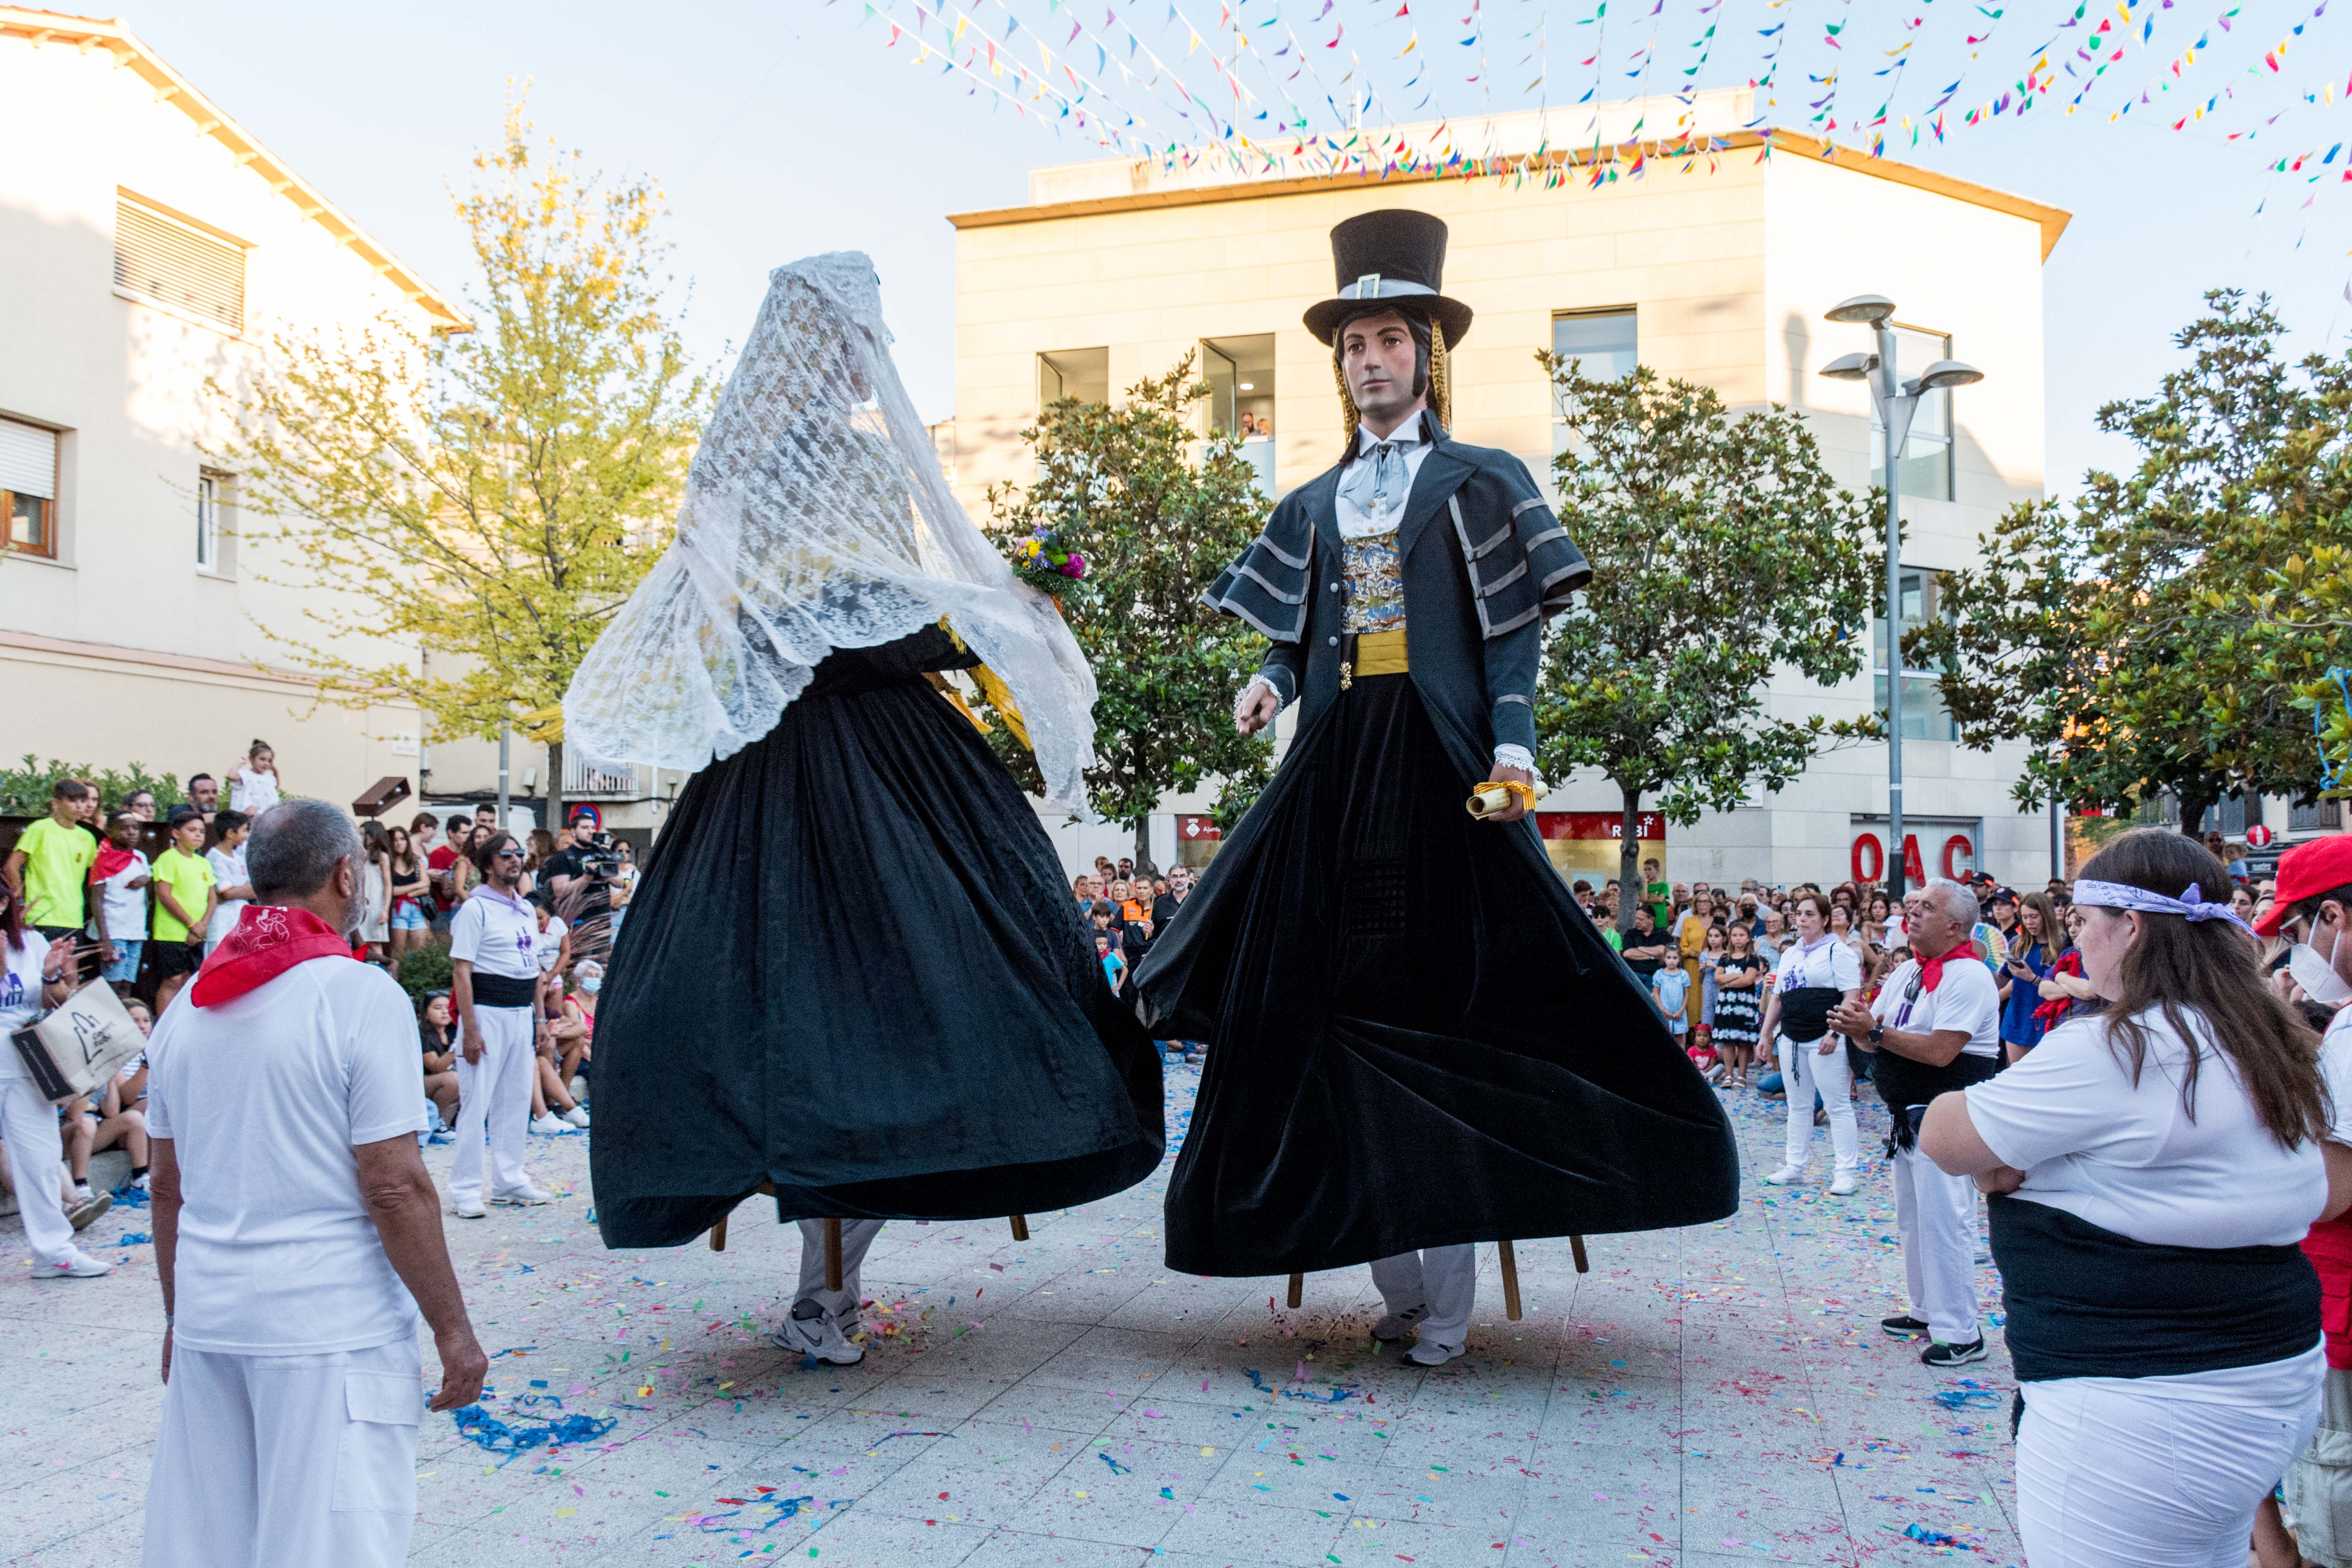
x: 1935, y: 1027
x: 297, y: 1232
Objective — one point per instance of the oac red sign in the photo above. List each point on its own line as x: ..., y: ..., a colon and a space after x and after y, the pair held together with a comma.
x: 1196, y: 829
x: 1957, y: 859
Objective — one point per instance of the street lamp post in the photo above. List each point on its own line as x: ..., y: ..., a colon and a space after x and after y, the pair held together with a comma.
x: 1898, y: 403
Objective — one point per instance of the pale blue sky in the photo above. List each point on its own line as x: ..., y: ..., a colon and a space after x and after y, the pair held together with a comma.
x: 783, y: 127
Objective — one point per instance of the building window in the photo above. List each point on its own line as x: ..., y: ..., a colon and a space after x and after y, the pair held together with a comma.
x: 1927, y: 466
x: 208, y: 530
x: 1082, y: 374
x: 1240, y: 374
x: 29, y: 487
x: 167, y: 260
x: 1603, y: 340
x: 1604, y: 344
x: 1925, y: 716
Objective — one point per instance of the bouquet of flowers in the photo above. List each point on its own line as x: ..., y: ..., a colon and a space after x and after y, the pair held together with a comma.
x: 1040, y: 561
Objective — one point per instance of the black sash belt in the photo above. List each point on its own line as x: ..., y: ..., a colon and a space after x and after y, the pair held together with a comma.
x: 1908, y: 1087
x: 1805, y: 1012
x: 2085, y: 1302
x: 503, y: 991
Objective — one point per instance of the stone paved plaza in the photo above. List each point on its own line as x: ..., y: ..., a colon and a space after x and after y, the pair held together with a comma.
x: 1708, y: 1397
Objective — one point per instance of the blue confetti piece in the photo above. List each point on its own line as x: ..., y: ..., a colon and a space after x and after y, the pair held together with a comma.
x: 133, y: 1238
x: 487, y: 1432
x: 1116, y: 1468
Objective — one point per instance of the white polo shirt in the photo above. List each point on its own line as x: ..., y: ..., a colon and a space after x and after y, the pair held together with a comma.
x: 265, y: 1097
x: 1826, y: 962
x: 496, y: 934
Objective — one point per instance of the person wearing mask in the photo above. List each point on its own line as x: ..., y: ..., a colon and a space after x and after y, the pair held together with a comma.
x: 1936, y: 1028
x: 2153, y: 1170
x: 185, y: 895
x: 253, y: 788
x: 226, y: 858
x: 298, y: 1233
x: 1816, y: 973
x: 2314, y: 913
x: 50, y: 864
x: 119, y: 879
x: 35, y: 975
x: 494, y: 980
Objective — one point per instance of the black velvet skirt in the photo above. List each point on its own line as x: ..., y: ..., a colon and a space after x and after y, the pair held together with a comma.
x: 853, y: 968
x: 1415, y: 1036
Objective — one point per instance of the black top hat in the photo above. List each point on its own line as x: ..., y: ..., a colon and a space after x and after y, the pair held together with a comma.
x: 1394, y: 256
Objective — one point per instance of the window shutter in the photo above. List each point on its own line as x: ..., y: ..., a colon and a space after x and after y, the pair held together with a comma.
x: 172, y: 264
x: 28, y: 459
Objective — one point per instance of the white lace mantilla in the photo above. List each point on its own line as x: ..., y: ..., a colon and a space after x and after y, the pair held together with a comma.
x: 815, y: 518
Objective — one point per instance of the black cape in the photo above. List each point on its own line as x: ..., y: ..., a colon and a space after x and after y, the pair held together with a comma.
x: 853, y: 968
x: 1415, y: 1036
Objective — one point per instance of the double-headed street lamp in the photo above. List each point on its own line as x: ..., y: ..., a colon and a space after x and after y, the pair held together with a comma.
x: 1898, y: 403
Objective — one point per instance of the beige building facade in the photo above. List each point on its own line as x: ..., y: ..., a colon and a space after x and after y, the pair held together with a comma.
x: 148, y: 245
x: 1718, y: 275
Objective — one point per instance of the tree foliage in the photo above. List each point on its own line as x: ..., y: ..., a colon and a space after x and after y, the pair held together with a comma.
x: 24, y: 791
x: 1721, y: 550
x: 492, y: 496
x: 2160, y: 634
x: 1156, y: 526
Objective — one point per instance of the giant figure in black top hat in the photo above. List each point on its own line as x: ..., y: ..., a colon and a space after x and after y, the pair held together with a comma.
x: 1418, y: 1041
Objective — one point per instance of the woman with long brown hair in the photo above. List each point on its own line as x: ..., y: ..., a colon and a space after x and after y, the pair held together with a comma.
x: 2035, y: 947
x: 2153, y: 1168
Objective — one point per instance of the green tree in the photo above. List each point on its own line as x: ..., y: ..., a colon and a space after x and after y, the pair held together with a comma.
x: 1720, y: 550
x: 488, y: 498
x: 2146, y: 640
x: 1119, y: 486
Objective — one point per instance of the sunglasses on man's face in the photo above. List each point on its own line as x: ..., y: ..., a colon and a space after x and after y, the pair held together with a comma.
x: 510, y: 852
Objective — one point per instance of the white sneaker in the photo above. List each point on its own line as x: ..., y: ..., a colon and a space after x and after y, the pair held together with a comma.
x: 523, y: 1196
x: 78, y: 1264
x: 470, y: 1208
x: 547, y: 1123
x: 1784, y: 1175
x: 819, y: 1336
x: 1399, y: 1325
x: 577, y: 1116
x: 1844, y: 1185
x: 138, y: 1182
x: 1425, y: 1354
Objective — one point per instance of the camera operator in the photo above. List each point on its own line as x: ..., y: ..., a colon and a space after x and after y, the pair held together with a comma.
x: 579, y: 879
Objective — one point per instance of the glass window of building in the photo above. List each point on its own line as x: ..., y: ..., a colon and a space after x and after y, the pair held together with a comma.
x: 1925, y: 716
x: 208, y: 522
x: 1603, y: 342
x: 1082, y: 374
x: 1927, y: 466
x: 1240, y: 374
x: 29, y: 487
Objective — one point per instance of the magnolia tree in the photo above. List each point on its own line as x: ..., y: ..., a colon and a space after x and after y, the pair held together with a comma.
x: 488, y: 498
x: 1120, y: 488
x: 1721, y: 550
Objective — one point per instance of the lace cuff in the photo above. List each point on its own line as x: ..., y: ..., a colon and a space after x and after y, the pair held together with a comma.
x: 1510, y: 756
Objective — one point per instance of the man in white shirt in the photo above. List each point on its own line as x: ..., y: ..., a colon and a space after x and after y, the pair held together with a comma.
x: 1935, y: 1026
x: 494, y: 984
x: 297, y: 1234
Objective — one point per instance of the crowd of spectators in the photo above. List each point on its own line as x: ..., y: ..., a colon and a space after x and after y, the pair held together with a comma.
x: 1126, y: 911
x: 103, y: 907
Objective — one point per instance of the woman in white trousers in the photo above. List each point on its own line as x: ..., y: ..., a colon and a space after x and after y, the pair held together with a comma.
x: 1816, y: 972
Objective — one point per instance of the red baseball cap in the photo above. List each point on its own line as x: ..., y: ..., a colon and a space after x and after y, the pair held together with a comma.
x: 2305, y: 871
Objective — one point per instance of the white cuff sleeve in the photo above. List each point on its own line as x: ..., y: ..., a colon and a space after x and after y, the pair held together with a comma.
x: 1249, y: 694
x: 1508, y: 756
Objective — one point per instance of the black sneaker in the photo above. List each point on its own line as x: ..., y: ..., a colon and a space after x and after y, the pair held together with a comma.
x: 1941, y: 1353
x: 1906, y: 1326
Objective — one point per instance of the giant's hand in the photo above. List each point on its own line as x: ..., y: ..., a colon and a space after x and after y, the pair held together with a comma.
x: 1518, y: 806
x: 1257, y: 709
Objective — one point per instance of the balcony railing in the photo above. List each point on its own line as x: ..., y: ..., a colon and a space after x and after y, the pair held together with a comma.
x: 583, y: 777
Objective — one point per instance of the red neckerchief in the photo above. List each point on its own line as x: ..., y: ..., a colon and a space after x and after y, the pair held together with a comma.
x: 267, y: 942
x: 2053, y: 1011
x: 110, y: 860
x: 1931, y: 970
